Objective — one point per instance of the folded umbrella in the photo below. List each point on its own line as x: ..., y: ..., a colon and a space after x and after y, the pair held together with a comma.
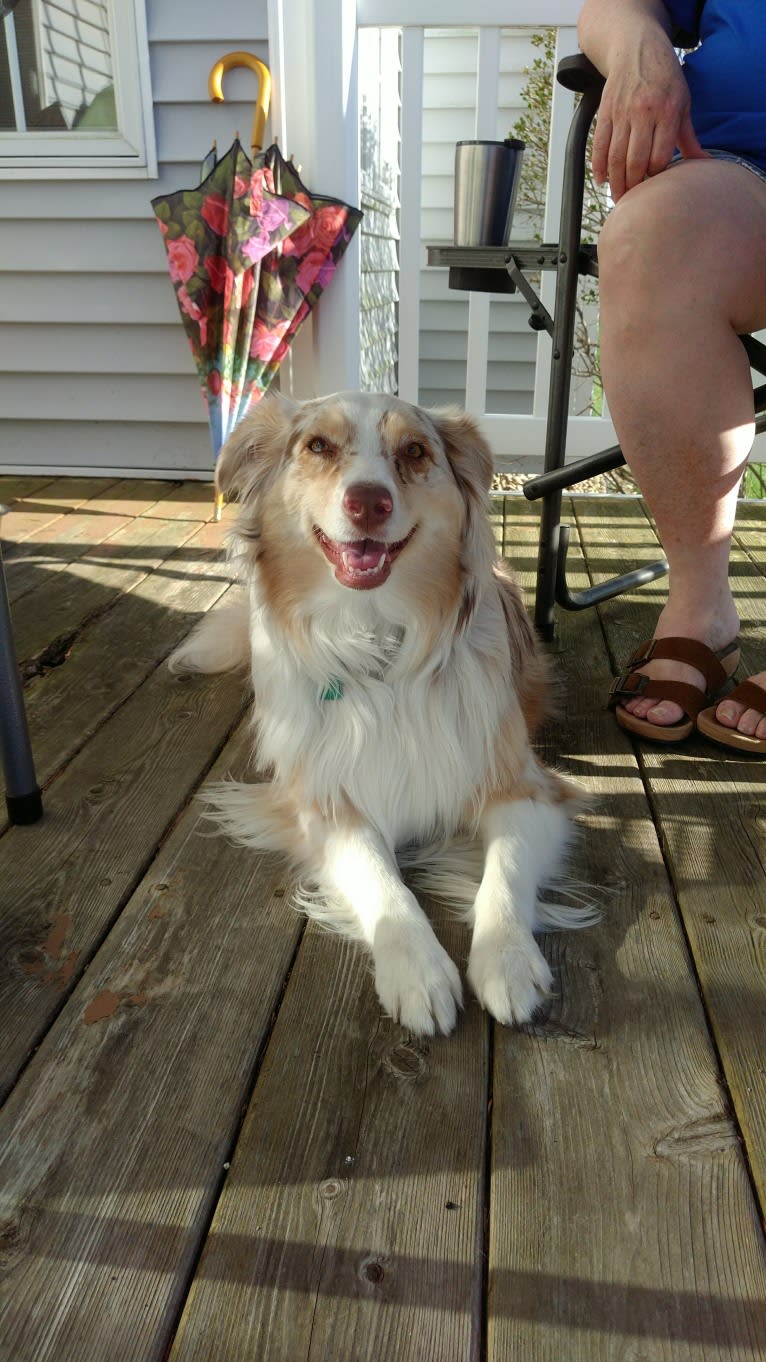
x: 250, y: 251
x: 295, y: 274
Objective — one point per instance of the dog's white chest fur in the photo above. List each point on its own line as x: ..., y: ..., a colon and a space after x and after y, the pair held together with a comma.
x: 409, y: 753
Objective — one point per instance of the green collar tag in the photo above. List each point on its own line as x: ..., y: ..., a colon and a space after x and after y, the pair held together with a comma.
x: 333, y: 690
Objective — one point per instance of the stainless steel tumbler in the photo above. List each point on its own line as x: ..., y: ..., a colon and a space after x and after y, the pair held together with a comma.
x: 487, y: 178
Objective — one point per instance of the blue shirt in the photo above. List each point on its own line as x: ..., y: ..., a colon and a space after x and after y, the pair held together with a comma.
x: 727, y: 74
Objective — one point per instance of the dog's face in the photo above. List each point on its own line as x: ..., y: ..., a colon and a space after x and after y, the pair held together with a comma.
x: 361, y: 492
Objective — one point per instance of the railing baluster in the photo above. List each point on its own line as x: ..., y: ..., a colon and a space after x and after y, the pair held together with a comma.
x: 487, y: 100
x: 14, y: 68
x: 410, y: 249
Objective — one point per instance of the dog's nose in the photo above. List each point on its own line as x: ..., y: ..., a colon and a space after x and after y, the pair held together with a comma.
x: 367, y: 504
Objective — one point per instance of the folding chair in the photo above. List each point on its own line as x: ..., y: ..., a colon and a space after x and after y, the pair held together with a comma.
x: 22, y: 794
x: 502, y: 269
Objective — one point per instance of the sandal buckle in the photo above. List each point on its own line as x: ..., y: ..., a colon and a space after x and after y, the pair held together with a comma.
x: 629, y: 685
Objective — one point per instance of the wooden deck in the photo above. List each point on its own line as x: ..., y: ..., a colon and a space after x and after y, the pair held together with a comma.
x: 215, y: 1148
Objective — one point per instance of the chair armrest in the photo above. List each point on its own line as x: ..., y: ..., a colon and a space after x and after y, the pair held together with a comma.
x: 579, y: 74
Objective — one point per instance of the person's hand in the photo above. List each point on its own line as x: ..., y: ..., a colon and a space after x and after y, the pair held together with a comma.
x: 643, y: 117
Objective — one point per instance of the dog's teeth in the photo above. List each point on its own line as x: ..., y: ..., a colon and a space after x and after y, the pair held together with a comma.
x: 363, y: 572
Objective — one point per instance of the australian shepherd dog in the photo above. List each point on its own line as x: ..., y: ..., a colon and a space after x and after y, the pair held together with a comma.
x: 398, y: 685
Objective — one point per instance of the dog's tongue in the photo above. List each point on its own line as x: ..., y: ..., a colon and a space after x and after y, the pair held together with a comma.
x: 364, y: 554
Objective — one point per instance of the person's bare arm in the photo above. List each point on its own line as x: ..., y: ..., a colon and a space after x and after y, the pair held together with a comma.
x: 644, y: 112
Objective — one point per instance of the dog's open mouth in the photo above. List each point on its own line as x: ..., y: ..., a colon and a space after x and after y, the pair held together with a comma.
x: 361, y: 563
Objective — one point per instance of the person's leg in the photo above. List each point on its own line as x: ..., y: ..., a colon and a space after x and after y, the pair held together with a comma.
x: 682, y: 262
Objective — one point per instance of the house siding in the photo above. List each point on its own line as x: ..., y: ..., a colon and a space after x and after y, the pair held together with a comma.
x: 95, y: 370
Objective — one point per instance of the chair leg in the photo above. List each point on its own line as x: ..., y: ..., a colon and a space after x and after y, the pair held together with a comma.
x: 567, y: 274
x: 22, y: 793
x: 548, y: 565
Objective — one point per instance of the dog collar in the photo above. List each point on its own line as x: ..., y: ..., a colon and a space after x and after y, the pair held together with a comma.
x: 333, y: 690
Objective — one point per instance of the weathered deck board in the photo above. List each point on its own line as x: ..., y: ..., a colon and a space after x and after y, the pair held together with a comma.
x: 44, y: 503
x: 593, y: 1155
x: 66, y: 879
x: 187, y: 501
x: 53, y: 547
x: 710, y: 806
x: 17, y: 486
x: 67, y: 493
x: 615, y: 1161
x: 94, y: 672
x: 135, y: 496
x: 108, y: 1179
x: 61, y: 605
x: 350, y: 1225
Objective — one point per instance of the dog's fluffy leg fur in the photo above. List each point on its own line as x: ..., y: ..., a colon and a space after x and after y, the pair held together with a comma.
x: 219, y: 643
x: 417, y: 983
x: 524, y: 840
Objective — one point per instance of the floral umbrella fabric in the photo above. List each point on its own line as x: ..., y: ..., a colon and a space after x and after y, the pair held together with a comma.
x: 294, y: 276
x: 249, y: 253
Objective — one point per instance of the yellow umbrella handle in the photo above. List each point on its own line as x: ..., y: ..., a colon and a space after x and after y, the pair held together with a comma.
x: 215, y: 88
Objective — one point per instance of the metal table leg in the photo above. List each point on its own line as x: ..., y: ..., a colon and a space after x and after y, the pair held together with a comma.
x: 22, y: 793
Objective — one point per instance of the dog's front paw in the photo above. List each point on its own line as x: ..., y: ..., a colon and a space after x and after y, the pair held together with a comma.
x: 417, y: 983
x: 509, y: 974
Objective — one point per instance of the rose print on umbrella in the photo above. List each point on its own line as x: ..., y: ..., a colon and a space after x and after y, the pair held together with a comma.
x: 250, y: 251
x: 215, y: 246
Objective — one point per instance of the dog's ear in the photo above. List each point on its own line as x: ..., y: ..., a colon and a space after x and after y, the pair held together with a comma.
x: 255, y: 447
x: 470, y: 459
x: 467, y: 450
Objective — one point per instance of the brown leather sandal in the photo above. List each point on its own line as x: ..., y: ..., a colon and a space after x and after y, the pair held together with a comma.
x: 752, y: 696
x: 717, y: 668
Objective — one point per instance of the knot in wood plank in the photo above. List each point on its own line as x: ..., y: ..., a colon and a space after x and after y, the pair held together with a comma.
x: 700, y: 1139
x: 408, y: 1061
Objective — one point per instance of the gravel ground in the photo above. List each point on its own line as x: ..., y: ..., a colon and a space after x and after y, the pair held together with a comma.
x: 618, y: 481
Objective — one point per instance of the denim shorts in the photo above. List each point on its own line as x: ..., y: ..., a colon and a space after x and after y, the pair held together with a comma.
x: 752, y: 166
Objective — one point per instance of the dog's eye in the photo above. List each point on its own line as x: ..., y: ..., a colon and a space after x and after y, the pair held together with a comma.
x: 414, y: 450
x: 319, y: 445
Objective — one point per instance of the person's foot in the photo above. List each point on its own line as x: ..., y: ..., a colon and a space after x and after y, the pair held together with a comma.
x: 751, y: 722
x: 664, y: 713
x: 672, y: 624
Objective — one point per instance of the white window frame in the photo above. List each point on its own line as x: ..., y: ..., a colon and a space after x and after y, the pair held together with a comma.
x: 128, y: 154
